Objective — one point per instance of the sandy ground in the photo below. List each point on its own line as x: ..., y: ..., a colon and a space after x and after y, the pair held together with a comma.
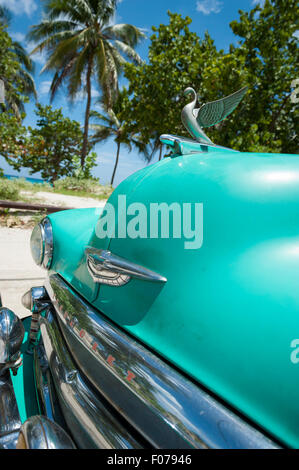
x: 18, y: 272
x: 66, y: 201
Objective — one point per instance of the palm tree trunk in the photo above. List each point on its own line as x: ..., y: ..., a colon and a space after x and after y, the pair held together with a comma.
x: 87, y: 114
x: 116, y: 163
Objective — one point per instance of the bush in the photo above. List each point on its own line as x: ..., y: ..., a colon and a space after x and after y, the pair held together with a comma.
x: 80, y: 185
x: 9, y: 189
x: 23, y: 184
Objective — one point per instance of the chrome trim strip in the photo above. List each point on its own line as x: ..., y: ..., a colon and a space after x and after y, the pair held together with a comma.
x: 107, y: 268
x: 45, y: 389
x: 89, y: 420
x: 166, y: 408
x: 186, y: 146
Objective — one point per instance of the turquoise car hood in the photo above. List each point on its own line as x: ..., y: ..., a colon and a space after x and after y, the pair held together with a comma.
x: 228, y: 313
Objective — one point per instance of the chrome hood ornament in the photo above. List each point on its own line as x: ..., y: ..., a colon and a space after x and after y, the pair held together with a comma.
x: 209, y: 114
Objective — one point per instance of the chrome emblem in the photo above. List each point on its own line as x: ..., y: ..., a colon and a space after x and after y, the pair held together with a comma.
x: 107, y: 268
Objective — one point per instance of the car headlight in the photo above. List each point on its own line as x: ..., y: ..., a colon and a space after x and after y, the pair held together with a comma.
x: 41, y: 243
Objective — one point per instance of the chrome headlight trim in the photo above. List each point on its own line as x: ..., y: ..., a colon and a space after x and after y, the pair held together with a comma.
x: 45, y: 232
x: 48, y: 243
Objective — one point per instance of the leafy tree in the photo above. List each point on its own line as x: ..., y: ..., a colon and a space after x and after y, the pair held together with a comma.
x: 266, y: 59
x: 52, y: 148
x: 24, y: 73
x: 177, y: 58
x: 12, y: 133
x: 113, y: 123
x: 269, y: 51
x: 80, y: 173
x: 83, y: 45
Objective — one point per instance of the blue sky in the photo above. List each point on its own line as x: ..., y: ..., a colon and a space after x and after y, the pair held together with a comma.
x: 211, y: 15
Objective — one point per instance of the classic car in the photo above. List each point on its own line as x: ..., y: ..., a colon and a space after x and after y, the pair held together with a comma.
x: 175, y: 336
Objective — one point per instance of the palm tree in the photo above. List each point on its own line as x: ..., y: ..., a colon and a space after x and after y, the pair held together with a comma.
x: 83, y: 45
x: 113, y: 124
x: 24, y: 74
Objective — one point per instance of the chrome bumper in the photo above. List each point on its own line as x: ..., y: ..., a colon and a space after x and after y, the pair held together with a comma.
x: 88, y: 418
x: 120, y: 395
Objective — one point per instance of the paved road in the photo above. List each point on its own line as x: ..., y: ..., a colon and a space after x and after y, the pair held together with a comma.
x: 18, y: 272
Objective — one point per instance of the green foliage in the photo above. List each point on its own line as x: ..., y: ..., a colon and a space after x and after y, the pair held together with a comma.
x: 14, y: 70
x: 270, y: 54
x: 266, y: 59
x: 10, y: 68
x: 177, y: 57
x: 75, y: 184
x: 12, y: 136
x: 82, y: 186
x: 11, y: 132
x: 9, y: 189
x: 52, y: 147
x: 23, y: 185
x: 85, y: 172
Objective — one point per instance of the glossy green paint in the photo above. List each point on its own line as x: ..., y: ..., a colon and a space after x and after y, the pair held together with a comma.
x: 229, y: 310
x: 23, y: 382
x: 73, y: 230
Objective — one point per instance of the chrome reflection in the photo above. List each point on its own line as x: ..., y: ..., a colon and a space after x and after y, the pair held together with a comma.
x: 9, y: 414
x: 39, y: 432
x: 11, y: 337
x: 165, y: 407
x: 91, y: 423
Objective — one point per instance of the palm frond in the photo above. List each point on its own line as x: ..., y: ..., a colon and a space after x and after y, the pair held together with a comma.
x: 100, y: 117
x: 5, y: 16
x: 65, y: 48
x: 128, y: 51
x: 48, y: 28
x: 23, y: 56
x: 101, y: 134
x: 60, y: 76
x: 127, y: 33
x: 75, y: 10
x: 28, y: 83
x: 77, y: 71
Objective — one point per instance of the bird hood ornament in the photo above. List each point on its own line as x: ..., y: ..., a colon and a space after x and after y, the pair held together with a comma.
x: 209, y: 114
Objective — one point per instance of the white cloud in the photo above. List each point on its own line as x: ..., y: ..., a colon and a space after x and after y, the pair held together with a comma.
x: 258, y: 2
x: 18, y: 36
x: 39, y: 57
x: 18, y: 7
x: 44, y: 87
x: 81, y: 96
x: 209, y: 6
